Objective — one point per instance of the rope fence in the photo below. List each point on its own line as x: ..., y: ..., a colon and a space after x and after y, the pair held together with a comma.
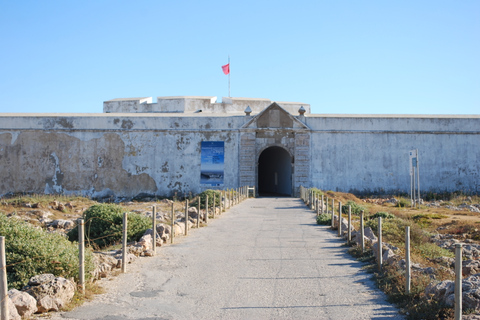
x: 227, y: 199
x: 320, y: 204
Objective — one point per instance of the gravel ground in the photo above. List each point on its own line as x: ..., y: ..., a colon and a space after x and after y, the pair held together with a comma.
x: 263, y: 259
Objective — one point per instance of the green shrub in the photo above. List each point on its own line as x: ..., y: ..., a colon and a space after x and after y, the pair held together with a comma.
x: 31, y: 251
x: 384, y: 215
x: 432, y: 251
x: 210, y: 193
x: 403, y: 203
x: 356, y: 208
x: 104, y: 225
x: 316, y: 191
x: 324, y: 219
x: 393, y: 229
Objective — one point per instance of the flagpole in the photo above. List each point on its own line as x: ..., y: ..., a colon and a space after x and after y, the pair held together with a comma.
x: 229, y: 76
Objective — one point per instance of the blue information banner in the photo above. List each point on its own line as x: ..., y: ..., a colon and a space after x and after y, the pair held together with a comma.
x: 212, y: 163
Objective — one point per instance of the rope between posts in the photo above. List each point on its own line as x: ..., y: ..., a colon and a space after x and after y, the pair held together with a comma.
x: 233, y: 196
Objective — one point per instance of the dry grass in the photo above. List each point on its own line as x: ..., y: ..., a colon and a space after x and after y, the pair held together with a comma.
x: 81, y: 296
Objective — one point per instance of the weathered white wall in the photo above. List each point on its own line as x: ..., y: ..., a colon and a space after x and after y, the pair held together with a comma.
x: 159, y: 153
x: 121, y: 155
x: 370, y: 153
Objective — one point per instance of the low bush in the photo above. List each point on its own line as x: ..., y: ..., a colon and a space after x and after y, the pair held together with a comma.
x: 403, y: 203
x: 424, y: 220
x: 324, y: 219
x: 210, y: 193
x: 384, y: 215
x: 393, y: 230
x: 31, y: 251
x: 104, y: 225
x: 316, y: 191
x: 356, y: 208
x: 430, y: 250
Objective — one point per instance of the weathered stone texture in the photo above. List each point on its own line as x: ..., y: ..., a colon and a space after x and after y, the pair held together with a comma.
x: 118, y: 154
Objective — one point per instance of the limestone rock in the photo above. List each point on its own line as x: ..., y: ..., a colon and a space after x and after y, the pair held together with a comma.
x: 392, y: 201
x: 163, y: 234
x: 136, y: 250
x: 51, y: 293
x: 192, y: 212
x: 40, y: 279
x: 470, y: 267
x: 104, y: 263
x: 440, y: 290
x: 163, y: 231
x: 129, y: 258
x: 471, y: 299
x: 60, y: 207
x: 146, y: 241
x: 388, y: 256
x: 179, y: 228
x: 148, y: 253
x: 41, y: 214
x: 25, y: 304
x: 12, y: 311
x: 62, y: 224
x: 444, y: 292
x: 370, y: 235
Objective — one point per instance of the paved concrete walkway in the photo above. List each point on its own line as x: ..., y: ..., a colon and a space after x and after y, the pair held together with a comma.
x: 263, y: 259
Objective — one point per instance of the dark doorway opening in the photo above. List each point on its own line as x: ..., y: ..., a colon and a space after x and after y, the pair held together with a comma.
x: 275, y: 172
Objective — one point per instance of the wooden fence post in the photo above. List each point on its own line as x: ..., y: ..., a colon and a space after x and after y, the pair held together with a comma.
x: 220, y: 202
x: 214, y: 205
x: 380, y: 247
x: 206, y: 209
x: 3, y: 281
x: 362, y: 231
x: 224, y: 201
x: 339, y: 218
x: 322, y: 204
x: 154, y: 229
x: 349, y: 231
x: 186, y: 217
x: 198, y: 212
x: 81, y: 253
x: 333, y: 212
x: 172, y: 233
x: 408, y: 268
x: 458, y: 281
x: 124, y: 243
x: 313, y: 200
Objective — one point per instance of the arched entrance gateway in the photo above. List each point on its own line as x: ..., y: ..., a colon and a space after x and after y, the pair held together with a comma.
x: 275, y: 172
x: 274, y: 152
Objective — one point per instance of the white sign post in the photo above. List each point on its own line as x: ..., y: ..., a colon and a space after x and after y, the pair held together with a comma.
x: 414, y: 177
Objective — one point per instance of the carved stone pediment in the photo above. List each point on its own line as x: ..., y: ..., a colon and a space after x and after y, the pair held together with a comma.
x: 274, y: 116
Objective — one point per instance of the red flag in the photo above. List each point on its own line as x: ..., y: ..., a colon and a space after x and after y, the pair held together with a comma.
x: 226, y: 68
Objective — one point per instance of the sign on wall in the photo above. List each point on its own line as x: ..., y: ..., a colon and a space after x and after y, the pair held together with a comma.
x: 212, y: 163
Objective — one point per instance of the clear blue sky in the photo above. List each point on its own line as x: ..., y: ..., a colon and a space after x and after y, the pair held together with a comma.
x: 419, y: 57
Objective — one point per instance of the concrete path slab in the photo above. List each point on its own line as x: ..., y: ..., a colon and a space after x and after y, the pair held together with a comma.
x: 263, y: 259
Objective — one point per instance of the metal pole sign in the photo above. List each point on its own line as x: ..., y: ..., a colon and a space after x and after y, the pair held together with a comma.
x: 414, y: 177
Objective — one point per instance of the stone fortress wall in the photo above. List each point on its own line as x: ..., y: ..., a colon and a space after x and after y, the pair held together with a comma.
x: 137, y: 146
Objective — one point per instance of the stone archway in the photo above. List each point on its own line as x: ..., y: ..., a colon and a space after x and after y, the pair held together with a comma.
x: 275, y: 172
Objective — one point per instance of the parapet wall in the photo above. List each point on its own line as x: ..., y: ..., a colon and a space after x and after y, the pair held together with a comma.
x: 191, y: 104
